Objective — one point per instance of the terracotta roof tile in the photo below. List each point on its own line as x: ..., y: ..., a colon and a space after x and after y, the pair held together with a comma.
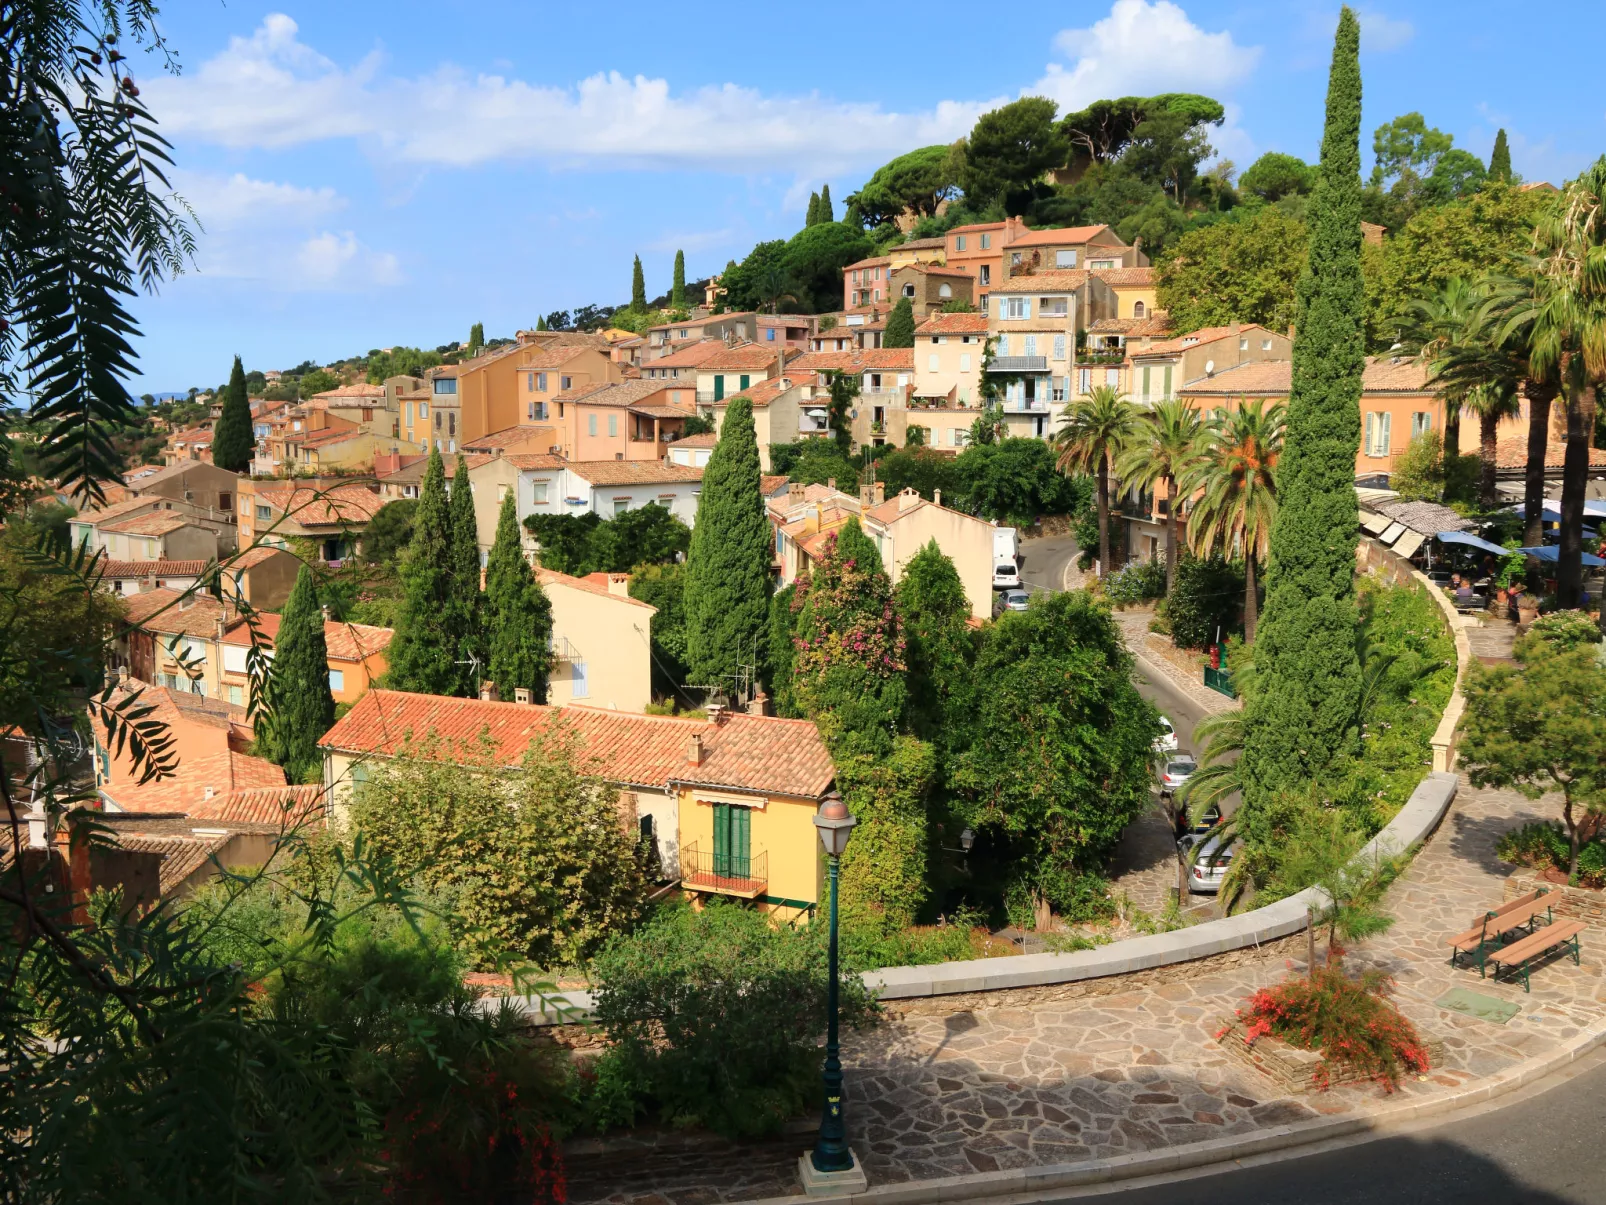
x: 953, y: 324
x: 554, y: 357
x: 511, y: 437
x: 1273, y: 378
x: 177, y: 612
x: 345, y: 641
x: 875, y: 261
x: 1125, y: 278
x: 351, y: 393
x: 253, y: 557
x: 868, y: 359
x: 1063, y: 236
x: 1513, y: 454
x: 549, y: 577
x: 125, y: 569
x: 632, y: 472
x: 691, y: 356
x: 749, y: 753
x: 934, y: 270
x: 762, y: 393
x: 706, y: 440
x: 157, y: 524
x: 744, y: 355
x: 275, y: 805
x: 534, y: 460
x: 1067, y: 281
x: 1205, y: 334
x: 326, y: 508
x: 627, y: 393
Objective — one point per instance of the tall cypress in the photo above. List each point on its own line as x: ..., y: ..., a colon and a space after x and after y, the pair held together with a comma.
x: 939, y: 649
x: 518, y: 614
x: 426, y: 640
x: 677, y: 288
x: 825, y: 214
x: 1306, y: 669
x: 300, y: 708
x: 900, y: 330
x: 813, y: 214
x: 638, y: 288
x: 465, y: 563
x: 1500, y: 160
x: 476, y: 339
x: 728, y: 564
x: 231, y: 438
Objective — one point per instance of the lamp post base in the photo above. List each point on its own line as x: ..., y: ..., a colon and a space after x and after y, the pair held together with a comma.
x: 831, y: 1184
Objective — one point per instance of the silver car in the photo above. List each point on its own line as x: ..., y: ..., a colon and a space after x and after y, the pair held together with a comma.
x: 1016, y: 600
x: 1174, y: 773
x: 1208, y: 862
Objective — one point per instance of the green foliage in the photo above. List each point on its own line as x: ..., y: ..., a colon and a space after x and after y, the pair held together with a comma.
x: 712, y: 1016
x: 900, y: 330
x: 1418, y: 473
x: 868, y: 945
x: 664, y: 587
x: 476, y: 340
x: 677, y: 287
x: 1240, y: 270
x: 518, y: 614
x: 1304, y: 710
x: 638, y: 288
x: 232, y: 441
x: 1563, y: 631
x: 813, y: 214
x: 430, y: 627
x: 1016, y: 480
x: 565, y: 541
x: 533, y: 857
x: 924, y: 470
x: 698, y: 424
x: 1543, y: 845
x: 916, y: 183
x: 299, y: 707
x: 742, y: 281
x: 1275, y: 175
x: 389, y: 532
x: 1009, y: 149
x: 400, y: 362
x: 1500, y: 158
x: 884, y: 878
x: 1060, y: 760
x: 1204, y: 600
x: 778, y: 666
x: 465, y: 568
x: 815, y: 462
x: 827, y: 210
x: 319, y: 380
x: 1136, y: 582
x: 813, y: 263
x: 582, y: 544
x: 939, y: 649
x: 727, y: 564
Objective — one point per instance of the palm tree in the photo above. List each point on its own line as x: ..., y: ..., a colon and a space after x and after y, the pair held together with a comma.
x: 1238, y: 502
x: 775, y: 285
x: 1475, y: 363
x: 1093, y: 431
x: 1168, y: 445
x: 1537, y: 354
x: 1434, y: 324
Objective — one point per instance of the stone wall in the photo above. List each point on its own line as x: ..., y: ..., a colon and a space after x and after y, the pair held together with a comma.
x: 1580, y: 903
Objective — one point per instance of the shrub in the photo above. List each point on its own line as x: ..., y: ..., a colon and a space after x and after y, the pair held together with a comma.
x: 1543, y: 845
x: 1138, y: 581
x: 867, y: 946
x: 714, y: 1016
x: 1564, y: 630
x: 1351, y: 1021
x: 1204, y: 600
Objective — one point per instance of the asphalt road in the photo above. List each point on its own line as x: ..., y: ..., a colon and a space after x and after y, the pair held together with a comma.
x: 1541, y: 1150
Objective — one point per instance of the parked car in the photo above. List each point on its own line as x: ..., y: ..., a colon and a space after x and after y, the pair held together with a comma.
x: 1174, y: 773
x: 1016, y: 600
x: 1166, y: 742
x: 1208, y: 862
x: 1005, y: 575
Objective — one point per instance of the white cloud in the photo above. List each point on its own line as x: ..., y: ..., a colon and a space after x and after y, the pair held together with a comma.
x: 1383, y: 33
x: 1140, y: 49
x: 228, y: 202
x: 339, y: 262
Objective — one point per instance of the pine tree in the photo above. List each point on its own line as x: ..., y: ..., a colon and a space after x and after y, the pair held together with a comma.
x: 1306, y: 670
x: 427, y: 637
x: 727, y: 566
x: 825, y: 214
x: 518, y: 614
x: 300, y: 708
x: 1500, y: 160
x: 813, y: 215
x: 231, y: 439
x: 465, y: 565
x: 540, y: 324
x: 900, y: 330
x: 677, y: 289
x: 476, y: 339
x: 638, y: 288
x: 939, y: 650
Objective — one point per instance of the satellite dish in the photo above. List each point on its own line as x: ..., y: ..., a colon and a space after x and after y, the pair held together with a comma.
x: 1210, y: 368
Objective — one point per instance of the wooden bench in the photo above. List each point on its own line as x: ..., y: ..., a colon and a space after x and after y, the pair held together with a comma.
x: 1562, y: 934
x: 1490, y: 929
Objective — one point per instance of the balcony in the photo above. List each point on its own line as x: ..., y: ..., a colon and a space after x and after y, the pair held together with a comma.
x: 744, y: 876
x: 1112, y: 357
x: 705, y: 397
x: 1036, y: 406
x: 562, y: 650
x: 1019, y: 364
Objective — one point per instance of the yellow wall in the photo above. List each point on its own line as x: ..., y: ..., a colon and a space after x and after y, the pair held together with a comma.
x: 1128, y: 296
x: 783, y: 827
x: 612, y: 636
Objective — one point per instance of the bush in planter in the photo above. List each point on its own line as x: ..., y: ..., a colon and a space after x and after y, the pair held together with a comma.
x: 1137, y: 582
x: 1205, y: 598
x: 1542, y: 845
x: 714, y: 1017
x: 1351, y: 1021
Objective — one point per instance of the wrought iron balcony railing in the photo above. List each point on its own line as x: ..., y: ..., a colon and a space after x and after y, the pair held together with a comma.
x: 745, y: 875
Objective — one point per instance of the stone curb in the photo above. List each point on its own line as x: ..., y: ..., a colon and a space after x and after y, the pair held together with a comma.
x: 1217, y: 1150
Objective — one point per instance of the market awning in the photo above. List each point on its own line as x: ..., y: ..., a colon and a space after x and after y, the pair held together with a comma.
x: 1409, y: 543
x: 1376, y: 524
x: 1471, y: 541
x: 1392, y: 533
x: 1549, y: 553
x: 1551, y: 510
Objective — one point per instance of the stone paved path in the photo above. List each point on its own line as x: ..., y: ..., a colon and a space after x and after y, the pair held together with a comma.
x: 1005, y: 1085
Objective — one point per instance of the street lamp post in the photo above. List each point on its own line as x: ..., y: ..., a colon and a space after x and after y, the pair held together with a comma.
x: 831, y: 1159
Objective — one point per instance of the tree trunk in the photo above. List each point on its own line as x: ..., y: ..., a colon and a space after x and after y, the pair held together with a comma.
x: 1574, y: 479
x: 1540, y: 395
x: 1251, y: 604
x: 1104, y: 517
x: 1171, y: 533
x: 1452, y: 428
x: 1572, y: 840
x: 1488, y: 424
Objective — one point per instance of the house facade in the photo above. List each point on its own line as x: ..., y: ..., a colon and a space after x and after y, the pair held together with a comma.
x: 357, y: 656
x: 946, y: 397
x: 601, y: 642
x: 332, y: 515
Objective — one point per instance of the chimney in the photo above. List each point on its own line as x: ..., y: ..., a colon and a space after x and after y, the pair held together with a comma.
x: 523, y: 694
x: 717, y: 713
x: 619, y: 584
x: 936, y: 497
x: 488, y: 692
x: 830, y: 483
x: 760, y: 704
x: 122, y: 676
x: 38, y: 836
x: 866, y: 494
x: 209, y: 792
x: 794, y: 493
x: 908, y: 499
x: 694, y: 749
x: 878, y: 491
x: 221, y: 625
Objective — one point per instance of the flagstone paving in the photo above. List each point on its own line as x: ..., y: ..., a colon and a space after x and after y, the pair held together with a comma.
x: 1003, y: 1084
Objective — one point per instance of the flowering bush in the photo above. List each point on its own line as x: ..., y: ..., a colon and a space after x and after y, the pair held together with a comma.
x: 1351, y: 1021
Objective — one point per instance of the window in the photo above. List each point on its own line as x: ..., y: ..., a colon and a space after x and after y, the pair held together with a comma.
x: 964, y: 361
x: 451, y: 422
x: 1059, y: 347
x: 613, y: 426
x: 1053, y: 307
x: 745, y: 380
x: 1065, y: 259
x: 237, y: 696
x: 1243, y: 344
x: 620, y: 506
x: 234, y: 658
x: 1084, y: 381
x: 337, y: 679
x: 194, y: 650
x: 1137, y: 309
x: 591, y: 424
x: 1112, y: 377
x: 359, y: 772
x: 540, y: 382
x: 423, y: 409
x: 579, y: 688
x: 1377, y: 432
x: 986, y: 241
x: 538, y: 491
x: 986, y: 277
x: 563, y: 383
x: 932, y: 361
x: 959, y: 242
x: 908, y: 290
x: 1014, y: 260
x: 1421, y: 423
x: 540, y: 410
x: 769, y: 334
x: 1031, y: 345
x: 732, y: 840
x: 445, y: 385
x: 529, y: 412
x: 666, y: 501
x: 437, y: 420
x: 945, y: 291
x: 1265, y: 345
x: 225, y: 500
x: 1015, y: 307
x: 719, y: 387
x: 264, y: 513
x: 1003, y: 345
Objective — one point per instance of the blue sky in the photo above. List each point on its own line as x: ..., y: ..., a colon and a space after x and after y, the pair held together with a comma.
x: 373, y: 174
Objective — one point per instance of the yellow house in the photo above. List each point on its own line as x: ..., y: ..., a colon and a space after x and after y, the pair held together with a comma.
x: 948, y: 353
x: 1135, y: 290
x: 781, y: 410
x: 727, y: 802
x: 601, y: 641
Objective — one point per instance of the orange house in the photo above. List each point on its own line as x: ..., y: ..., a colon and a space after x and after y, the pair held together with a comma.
x: 357, y: 655
x: 632, y: 420
x: 492, y: 391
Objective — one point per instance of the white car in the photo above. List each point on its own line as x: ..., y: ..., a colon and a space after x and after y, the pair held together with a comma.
x: 1006, y: 574
x: 1208, y: 862
x: 1166, y: 742
x: 1016, y: 600
x: 1176, y: 771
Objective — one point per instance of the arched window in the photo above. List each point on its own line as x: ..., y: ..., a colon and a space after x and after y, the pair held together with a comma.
x: 908, y: 290
x: 945, y: 291
x: 1137, y: 309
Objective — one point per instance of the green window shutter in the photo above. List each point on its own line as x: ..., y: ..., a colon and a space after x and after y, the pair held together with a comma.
x: 722, y: 833
x: 741, y: 838
x: 1146, y: 371
x: 745, y: 379
x: 1167, y: 381
x: 719, y: 387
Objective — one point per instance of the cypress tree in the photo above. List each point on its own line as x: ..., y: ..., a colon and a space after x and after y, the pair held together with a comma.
x: 540, y: 324
x: 476, y: 339
x: 1306, y: 669
x: 518, y: 614
x: 231, y: 439
x: 939, y: 650
x: 813, y: 215
x: 1500, y: 160
x: 300, y: 707
x: 900, y: 330
x: 638, y: 288
x: 728, y: 564
x: 426, y: 640
x: 825, y: 214
x: 677, y: 288
x: 465, y: 566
